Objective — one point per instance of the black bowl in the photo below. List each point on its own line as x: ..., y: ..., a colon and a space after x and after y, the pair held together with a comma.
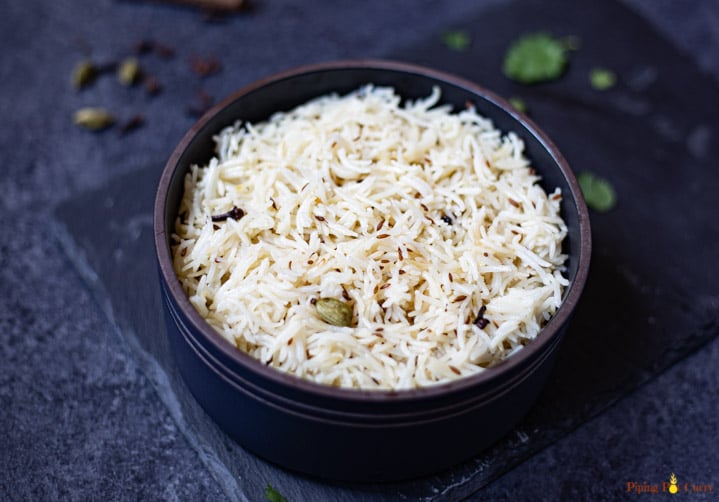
x: 352, y: 434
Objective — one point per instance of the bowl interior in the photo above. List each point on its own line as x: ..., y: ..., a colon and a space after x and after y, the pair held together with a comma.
x: 285, y: 91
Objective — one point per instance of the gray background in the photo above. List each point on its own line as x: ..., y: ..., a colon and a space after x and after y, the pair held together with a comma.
x: 79, y: 420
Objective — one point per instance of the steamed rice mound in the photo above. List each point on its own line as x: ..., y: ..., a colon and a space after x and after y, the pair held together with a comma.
x: 430, y: 225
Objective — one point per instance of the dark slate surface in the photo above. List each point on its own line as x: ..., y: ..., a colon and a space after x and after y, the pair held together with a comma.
x: 81, y: 421
x: 670, y: 314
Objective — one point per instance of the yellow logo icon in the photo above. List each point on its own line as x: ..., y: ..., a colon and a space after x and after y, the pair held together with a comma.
x: 673, y: 484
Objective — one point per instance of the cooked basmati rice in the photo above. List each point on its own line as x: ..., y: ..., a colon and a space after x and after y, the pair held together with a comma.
x: 414, y: 215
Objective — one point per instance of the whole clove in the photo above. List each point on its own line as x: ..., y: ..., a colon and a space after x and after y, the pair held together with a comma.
x: 135, y: 122
x: 152, y: 85
x: 204, y: 67
x: 480, y: 321
x: 235, y: 213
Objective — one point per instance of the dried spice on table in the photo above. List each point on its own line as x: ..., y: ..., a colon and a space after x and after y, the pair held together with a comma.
x: 205, y: 66
x: 203, y: 102
x: 133, y: 123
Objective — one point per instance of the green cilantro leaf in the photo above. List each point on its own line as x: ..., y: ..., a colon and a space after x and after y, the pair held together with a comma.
x: 533, y: 58
x: 273, y: 495
x: 602, y: 78
x: 598, y: 193
x: 457, y: 40
x: 518, y: 104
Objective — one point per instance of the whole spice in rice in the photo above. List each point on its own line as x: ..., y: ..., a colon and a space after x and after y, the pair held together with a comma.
x: 480, y: 321
x: 235, y: 213
x: 334, y: 311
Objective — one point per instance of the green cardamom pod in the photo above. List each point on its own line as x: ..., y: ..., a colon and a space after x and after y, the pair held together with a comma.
x: 128, y: 73
x: 94, y: 119
x: 84, y: 74
x: 333, y: 311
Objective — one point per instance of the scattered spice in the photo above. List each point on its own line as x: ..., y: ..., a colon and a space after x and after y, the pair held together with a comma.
x: 518, y: 104
x: 536, y: 57
x: 94, y: 119
x: 602, y: 79
x: 203, y: 103
x: 235, y: 213
x: 143, y: 47
x: 446, y: 219
x: 319, y: 218
x: 214, y: 5
x: 382, y: 236
x: 513, y: 202
x: 152, y: 85
x: 204, y: 67
x: 147, y: 46
x: 84, y: 74
x: 480, y: 321
x: 598, y: 193
x: 460, y: 298
x: 134, y: 122
x: 457, y: 40
x: 163, y: 50
x: 455, y: 370
x: 271, y: 494
x: 399, y: 253
x: 380, y: 224
x: 334, y: 311
x: 128, y: 72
